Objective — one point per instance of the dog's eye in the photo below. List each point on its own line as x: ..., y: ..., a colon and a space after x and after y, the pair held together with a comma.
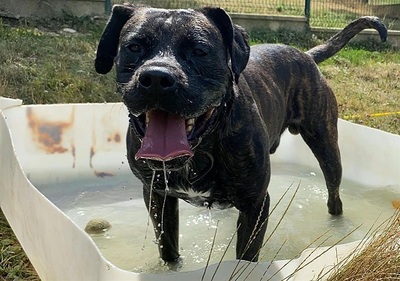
x: 199, y: 52
x: 134, y: 48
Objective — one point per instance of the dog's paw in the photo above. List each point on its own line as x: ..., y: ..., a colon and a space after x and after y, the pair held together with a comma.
x: 175, y: 265
x: 335, y: 206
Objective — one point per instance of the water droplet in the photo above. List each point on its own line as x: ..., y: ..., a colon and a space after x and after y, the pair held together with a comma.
x: 81, y: 213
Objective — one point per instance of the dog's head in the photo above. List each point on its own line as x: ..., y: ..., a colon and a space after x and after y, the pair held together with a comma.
x: 175, y: 68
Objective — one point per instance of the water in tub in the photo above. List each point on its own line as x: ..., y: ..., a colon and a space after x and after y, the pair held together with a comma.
x: 130, y: 243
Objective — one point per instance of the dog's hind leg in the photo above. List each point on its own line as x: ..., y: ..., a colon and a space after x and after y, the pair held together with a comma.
x: 164, y: 213
x: 324, y: 145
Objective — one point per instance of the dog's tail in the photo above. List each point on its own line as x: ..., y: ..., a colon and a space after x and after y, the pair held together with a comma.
x: 337, y: 42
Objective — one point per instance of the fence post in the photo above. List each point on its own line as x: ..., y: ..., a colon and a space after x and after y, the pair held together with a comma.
x: 107, y: 6
x: 307, y: 11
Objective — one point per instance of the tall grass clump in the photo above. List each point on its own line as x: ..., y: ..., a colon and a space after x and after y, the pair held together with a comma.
x: 378, y: 258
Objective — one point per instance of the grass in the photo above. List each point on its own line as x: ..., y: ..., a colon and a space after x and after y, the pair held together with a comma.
x: 40, y: 66
x: 366, y: 83
x: 14, y: 265
x: 39, y: 63
x: 377, y: 259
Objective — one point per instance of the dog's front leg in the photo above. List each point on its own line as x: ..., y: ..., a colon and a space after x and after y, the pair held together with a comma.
x: 164, y: 213
x: 252, y: 224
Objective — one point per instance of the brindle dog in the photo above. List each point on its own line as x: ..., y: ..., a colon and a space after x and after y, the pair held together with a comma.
x: 206, y: 112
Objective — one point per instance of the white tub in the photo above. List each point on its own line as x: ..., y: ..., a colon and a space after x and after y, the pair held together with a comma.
x: 52, y: 144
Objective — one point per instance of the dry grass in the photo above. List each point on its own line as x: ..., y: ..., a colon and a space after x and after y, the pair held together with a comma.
x: 366, y: 88
x: 378, y: 259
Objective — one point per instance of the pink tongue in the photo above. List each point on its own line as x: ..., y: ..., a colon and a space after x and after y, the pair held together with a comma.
x: 165, y: 137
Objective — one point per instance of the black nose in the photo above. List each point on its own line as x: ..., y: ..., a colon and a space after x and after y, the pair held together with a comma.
x: 159, y: 80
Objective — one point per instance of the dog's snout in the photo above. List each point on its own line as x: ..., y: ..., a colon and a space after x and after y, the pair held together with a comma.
x: 157, y: 79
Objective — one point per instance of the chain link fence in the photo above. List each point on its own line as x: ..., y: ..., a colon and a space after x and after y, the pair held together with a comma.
x: 321, y: 13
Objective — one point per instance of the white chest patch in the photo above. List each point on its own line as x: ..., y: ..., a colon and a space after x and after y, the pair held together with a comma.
x: 168, y: 21
x: 190, y: 193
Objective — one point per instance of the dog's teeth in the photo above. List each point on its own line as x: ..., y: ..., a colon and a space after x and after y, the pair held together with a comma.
x: 189, y: 125
x: 147, y: 118
x: 190, y: 122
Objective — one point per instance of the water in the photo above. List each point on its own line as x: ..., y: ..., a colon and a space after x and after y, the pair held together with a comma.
x: 130, y: 244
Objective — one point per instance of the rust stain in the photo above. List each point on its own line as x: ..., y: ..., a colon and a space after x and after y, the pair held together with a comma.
x: 116, y: 137
x: 92, y: 153
x: 73, y: 155
x: 48, y: 134
x: 103, y: 174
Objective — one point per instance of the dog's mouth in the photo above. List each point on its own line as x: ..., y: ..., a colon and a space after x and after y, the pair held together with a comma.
x: 166, y: 136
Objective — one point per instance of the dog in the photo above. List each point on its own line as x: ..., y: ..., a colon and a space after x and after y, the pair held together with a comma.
x: 206, y: 111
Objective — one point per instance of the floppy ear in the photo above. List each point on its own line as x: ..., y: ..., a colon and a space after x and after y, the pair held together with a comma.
x: 107, y: 48
x: 235, y: 38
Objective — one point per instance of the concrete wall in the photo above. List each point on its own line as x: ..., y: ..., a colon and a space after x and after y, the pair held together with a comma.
x: 50, y: 8
x: 257, y: 22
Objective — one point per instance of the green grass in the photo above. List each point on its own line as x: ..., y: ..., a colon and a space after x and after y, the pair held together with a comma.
x: 40, y: 64
x: 14, y: 265
x: 366, y: 83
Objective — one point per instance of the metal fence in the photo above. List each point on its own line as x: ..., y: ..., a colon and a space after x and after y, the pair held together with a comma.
x: 337, y: 13
x: 324, y: 13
